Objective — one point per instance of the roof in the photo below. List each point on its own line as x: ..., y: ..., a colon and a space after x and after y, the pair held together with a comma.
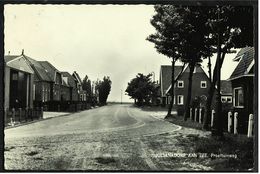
x: 50, y: 69
x: 77, y: 77
x: 71, y: 80
x: 39, y: 70
x: 19, y: 63
x: 246, y: 61
x: 166, y: 76
x: 8, y: 58
x: 226, y: 87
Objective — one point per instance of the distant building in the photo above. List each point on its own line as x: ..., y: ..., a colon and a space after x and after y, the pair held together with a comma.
x: 72, y: 83
x: 82, y: 93
x: 18, y: 80
x: 243, y: 81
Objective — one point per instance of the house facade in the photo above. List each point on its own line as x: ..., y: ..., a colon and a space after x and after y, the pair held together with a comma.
x: 42, y: 83
x: 82, y: 93
x: 72, y: 84
x: 243, y: 81
x: 18, y: 80
x: 200, y: 86
x: 56, y: 78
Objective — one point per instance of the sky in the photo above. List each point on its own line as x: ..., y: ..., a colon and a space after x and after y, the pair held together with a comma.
x: 93, y: 40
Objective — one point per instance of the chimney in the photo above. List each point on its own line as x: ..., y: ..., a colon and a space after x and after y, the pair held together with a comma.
x: 22, y: 51
x: 9, y: 52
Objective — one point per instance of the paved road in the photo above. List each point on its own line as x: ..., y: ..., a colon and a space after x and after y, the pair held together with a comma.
x: 113, y: 137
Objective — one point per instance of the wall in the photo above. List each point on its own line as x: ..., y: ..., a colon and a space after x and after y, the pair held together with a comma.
x: 7, y: 86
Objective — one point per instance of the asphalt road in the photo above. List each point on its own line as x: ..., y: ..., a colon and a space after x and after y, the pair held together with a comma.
x: 113, y: 137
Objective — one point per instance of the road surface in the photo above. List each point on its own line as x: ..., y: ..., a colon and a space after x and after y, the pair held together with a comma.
x: 113, y: 137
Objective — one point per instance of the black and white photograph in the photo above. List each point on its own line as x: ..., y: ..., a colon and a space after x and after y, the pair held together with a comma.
x: 167, y: 87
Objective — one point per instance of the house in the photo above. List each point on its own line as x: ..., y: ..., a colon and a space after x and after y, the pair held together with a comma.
x: 82, y: 93
x: 200, y: 86
x: 42, y: 83
x: 18, y: 81
x: 72, y: 83
x: 56, y: 78
x: 242, y: 80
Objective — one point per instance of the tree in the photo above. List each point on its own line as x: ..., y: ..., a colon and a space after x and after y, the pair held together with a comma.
x: 168, y: 24
x: 195, y: 47
x: 141, y: 88
x: 103, y: 88
x: 86, y: 85
x: 229, y: 29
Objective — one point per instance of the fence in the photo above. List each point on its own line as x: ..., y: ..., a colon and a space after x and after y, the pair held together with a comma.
x: 232, y: 122
x: 14, y: 116
x: 63, y: 106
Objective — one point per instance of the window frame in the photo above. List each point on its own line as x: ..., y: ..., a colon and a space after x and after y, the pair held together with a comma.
x: 201, y: 82
x: 180, y: 103
x: 180, y: 82
x: 234, y: 97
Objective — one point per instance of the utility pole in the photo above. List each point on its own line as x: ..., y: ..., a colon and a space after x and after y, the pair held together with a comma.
x: 121, y: 96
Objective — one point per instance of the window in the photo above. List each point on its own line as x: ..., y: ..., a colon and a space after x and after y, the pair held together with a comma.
x: 238, y: 97
x: 226, y: 99
x: 180, y: 100
x: 180, y: 84
x: 229, y: 99
x: 203, y: 84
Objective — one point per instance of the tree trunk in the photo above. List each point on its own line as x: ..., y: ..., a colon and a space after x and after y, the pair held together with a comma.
x: 188, y: 100
x: 218, y: 127
x: 172, y: 90
x: 211, y: 91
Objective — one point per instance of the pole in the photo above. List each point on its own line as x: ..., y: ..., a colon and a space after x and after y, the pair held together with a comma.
x: 121, y: 96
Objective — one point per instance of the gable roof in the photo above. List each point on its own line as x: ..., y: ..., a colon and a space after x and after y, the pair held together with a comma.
x: 71, y: 79
x: 50, y: 69
x: 166, y: 76
x: 41, y: 74
x: 19, y: 63
x: 8, y: 58
x: 226, y: 87
x: 75, y: 74
x: 246, y: 61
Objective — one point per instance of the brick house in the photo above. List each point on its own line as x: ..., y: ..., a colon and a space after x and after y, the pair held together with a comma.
x: 56, y: 78
x: 71, y: 81
x: 42, y: 83
x: 200, y: 86
x: 242, y: 80
x: 82, y: 93
x: 18, y: 81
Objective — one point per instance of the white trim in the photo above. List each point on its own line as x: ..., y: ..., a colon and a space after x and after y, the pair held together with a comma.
x: 18, y: 57
x: 239, y: 57
x: 180, y: 82
x: 250, y: 66
x: 201, y: 82
x: 182, y: 97
x: 234, y: 97
x: 245, y: 75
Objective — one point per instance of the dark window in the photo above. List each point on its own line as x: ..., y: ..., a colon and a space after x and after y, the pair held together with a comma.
x: 239, y: 97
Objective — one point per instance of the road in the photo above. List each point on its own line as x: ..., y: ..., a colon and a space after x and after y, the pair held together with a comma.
x: 113, y: 137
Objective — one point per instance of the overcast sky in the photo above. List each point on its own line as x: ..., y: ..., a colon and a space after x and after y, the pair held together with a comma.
x: 94, y: 40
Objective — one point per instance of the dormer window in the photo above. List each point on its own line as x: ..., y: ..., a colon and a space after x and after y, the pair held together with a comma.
x: 180, y: 84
